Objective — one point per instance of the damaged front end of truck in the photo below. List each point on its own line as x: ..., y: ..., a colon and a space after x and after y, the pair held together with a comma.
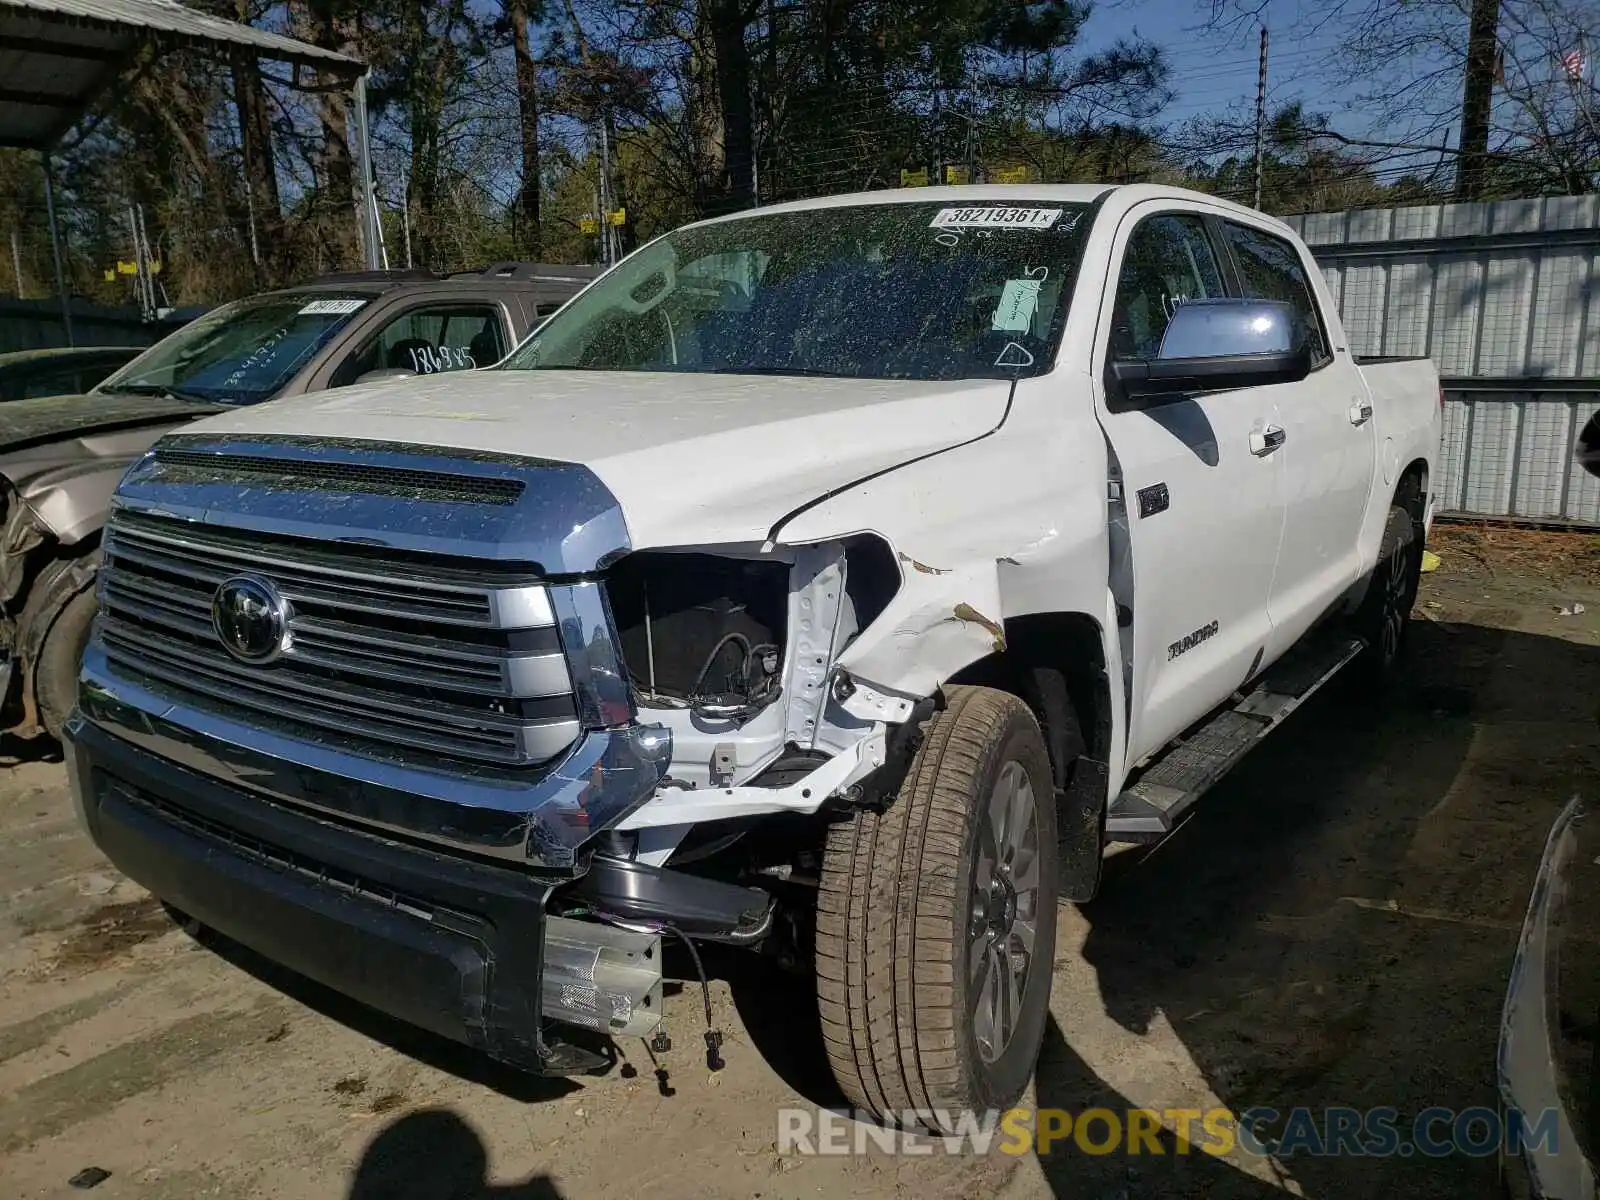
x: 425, y: 727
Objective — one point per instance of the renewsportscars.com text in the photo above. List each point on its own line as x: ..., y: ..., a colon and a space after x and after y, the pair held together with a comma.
x: 1329, y: 1132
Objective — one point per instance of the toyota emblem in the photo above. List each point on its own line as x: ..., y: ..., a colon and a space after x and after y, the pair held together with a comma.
x: 250, y: 618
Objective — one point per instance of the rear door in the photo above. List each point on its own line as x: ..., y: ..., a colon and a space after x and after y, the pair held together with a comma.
x: 1204, y: 512
x: 1329, y: 452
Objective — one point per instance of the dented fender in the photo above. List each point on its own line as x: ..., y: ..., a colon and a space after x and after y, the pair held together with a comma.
x: 937, y: 623
x: 74, y: 505
x: 1011, y: 524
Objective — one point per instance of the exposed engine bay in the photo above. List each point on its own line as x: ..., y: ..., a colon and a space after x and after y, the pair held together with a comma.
x: 702, y: 632
x: 733, y: 652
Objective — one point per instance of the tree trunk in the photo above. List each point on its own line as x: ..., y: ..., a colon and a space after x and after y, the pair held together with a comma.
x: 527, y: 213
x: 424, y: 108
x: 733, y: 94
x: 1477, y: 98
x: 528, y: 110
x: 703, y: 115
x: 260, y: 169
x: 333, y: 27
x: 263, y: 209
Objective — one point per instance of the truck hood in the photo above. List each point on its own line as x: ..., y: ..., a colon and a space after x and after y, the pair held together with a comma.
x: 693, y: 459
x: 46, y: 419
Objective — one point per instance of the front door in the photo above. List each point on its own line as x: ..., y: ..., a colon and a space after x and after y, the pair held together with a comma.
x: 1204, y: 507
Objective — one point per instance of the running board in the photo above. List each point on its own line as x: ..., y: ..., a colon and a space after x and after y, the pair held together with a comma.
x: 1154, y: 803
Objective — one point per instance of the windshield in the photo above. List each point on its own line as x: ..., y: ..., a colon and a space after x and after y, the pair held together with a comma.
x: 241, y: 353
x: 881, y: 291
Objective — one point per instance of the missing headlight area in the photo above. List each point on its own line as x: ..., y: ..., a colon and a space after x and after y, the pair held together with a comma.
x: 701, y: 631
x: 732, y: 649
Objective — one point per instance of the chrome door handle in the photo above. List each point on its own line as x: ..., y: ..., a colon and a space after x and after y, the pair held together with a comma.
x: 1360, y: 412
x: 1264, y: 442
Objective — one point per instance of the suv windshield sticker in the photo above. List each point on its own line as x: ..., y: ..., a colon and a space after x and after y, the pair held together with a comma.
x: 995, y: 217
x: 331, y: 306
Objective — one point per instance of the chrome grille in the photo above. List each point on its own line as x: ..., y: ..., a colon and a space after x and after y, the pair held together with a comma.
x: 403, y: 655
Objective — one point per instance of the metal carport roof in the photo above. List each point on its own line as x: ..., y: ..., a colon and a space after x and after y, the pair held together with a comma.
x: 56, y: 56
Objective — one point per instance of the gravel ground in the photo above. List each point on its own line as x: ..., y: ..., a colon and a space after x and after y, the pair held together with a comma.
x: 1333, y: 927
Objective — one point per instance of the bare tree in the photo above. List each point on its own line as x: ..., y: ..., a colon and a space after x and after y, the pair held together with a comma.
x: 1503, y: 89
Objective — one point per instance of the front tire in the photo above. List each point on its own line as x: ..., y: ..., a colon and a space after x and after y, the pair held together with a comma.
x: 55, y: 673
x: 936, y: 922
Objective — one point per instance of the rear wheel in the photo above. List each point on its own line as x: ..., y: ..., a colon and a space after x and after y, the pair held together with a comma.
x: 936, y: 922
x: 1385, y: 612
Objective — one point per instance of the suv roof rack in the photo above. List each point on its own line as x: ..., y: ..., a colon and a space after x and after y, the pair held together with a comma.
x: 399, y: 275
x: 526, y: 272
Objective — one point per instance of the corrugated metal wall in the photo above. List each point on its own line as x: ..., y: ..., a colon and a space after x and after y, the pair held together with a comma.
x: 1500, y: 296
x: 1512, y: 454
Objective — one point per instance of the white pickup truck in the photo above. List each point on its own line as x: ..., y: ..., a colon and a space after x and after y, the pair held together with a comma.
x: 839, y: 577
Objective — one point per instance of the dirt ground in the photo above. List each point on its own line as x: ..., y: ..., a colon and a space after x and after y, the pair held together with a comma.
x: 1333, y: 927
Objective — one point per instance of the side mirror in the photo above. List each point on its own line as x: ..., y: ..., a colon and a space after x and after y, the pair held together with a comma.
x: 385, y: 373
x: 1214, y: 345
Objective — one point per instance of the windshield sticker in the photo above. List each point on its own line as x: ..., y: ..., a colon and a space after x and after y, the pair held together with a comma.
x: 995, y: 217
x: 1019, y: 301
x: 1014, y: 356
x: 317, y: 307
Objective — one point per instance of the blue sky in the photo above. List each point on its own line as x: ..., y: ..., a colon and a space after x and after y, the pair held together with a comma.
x: 1210, y: 71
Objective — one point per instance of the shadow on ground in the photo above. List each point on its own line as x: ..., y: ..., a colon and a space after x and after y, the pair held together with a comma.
x: 1335, y: 925
x: 431, y: 1049
x: 433, y: 1154
x: 15, y: 750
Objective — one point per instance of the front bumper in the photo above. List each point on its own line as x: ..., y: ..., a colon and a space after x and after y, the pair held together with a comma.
x: 448, y: 943
x: 541, y: 822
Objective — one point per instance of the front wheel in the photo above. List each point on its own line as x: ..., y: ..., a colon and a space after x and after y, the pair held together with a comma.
x: 936, y: 922
x: 55, y: 674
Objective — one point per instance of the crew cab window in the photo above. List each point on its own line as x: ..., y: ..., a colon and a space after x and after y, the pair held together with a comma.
x: 1270, y: 269
x: 1168, y: 260
x: 430, y: 341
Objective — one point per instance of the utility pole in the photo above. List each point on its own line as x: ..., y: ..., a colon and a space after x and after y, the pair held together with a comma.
x: 405, y: 223
x: 250, y: 215
x: 149, y: 264
x: 1261, y: 111
x: 138, y: 264
x: 605, y: 195
x: 55, y: 245
x: 1477, y: 98
x: 377, y: 254
x: 16, y: 262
